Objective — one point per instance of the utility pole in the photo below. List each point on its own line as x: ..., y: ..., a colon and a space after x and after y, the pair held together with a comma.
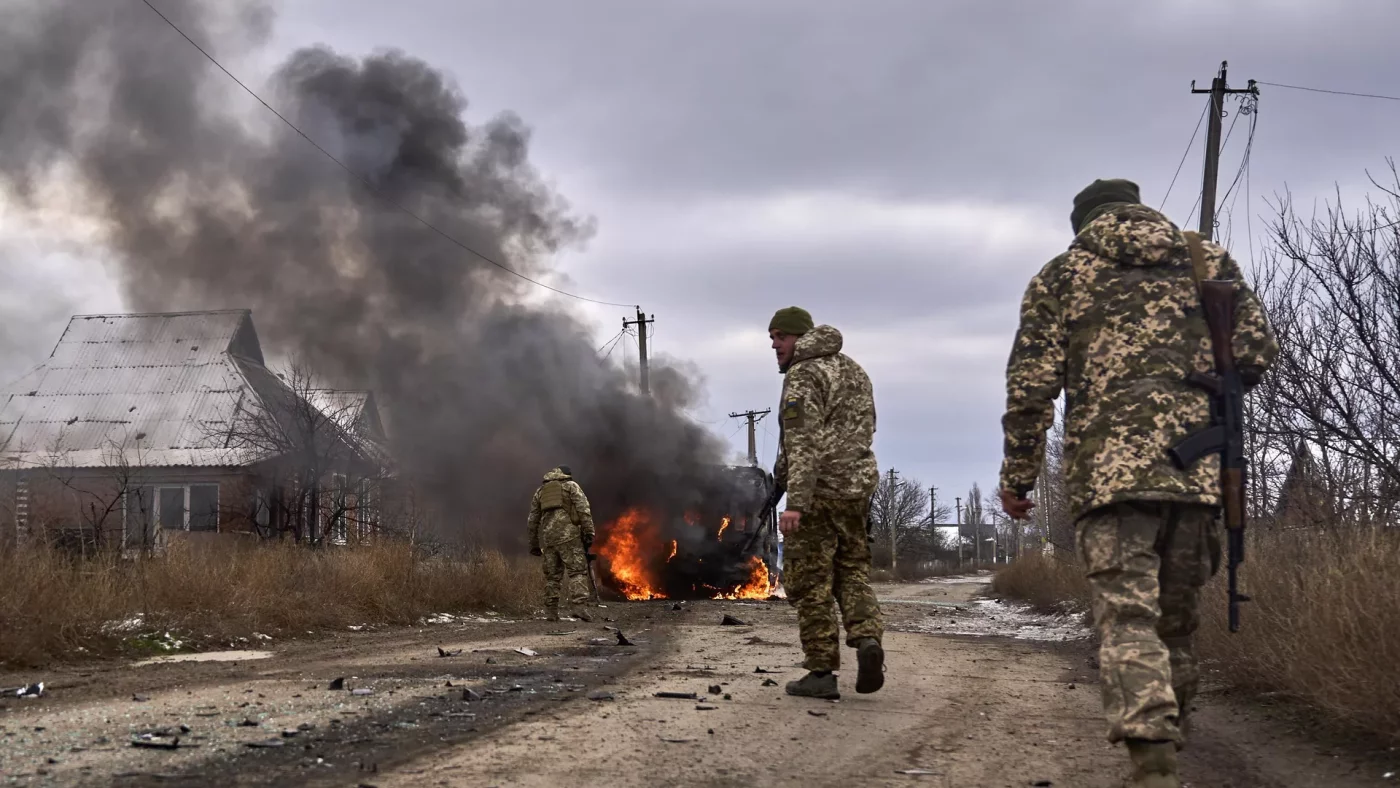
x: 932, y: 507
x: 754, y: 416
x: 641, y: 323
x: 1219, y: 89
x: 959, y: 500
x: 889, y: 517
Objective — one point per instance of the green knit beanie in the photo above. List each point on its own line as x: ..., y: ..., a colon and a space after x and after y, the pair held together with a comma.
x: 1100, y: 194
x: 792, y: 320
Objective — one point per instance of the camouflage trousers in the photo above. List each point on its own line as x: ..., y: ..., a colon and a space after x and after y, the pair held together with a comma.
x: 565, y: 565
x: 825, y: 564
x: 1146, y: 563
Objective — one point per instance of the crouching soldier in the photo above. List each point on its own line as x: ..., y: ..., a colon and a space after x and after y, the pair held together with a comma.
x: 561, y: 530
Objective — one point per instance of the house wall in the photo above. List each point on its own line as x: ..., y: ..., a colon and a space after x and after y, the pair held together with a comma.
x: 84, y: 509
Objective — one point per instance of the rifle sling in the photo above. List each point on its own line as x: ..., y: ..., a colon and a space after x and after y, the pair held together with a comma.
x: 1198, y: 257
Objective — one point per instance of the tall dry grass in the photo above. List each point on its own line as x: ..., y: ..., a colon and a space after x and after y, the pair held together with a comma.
x: 52, y: 605
x: 1047, y: 583
x: 1323, y: 626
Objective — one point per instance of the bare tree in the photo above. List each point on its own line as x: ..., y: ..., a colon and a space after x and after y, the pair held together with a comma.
x: 902, y: 504
x: 318, y: 472
x: 1331, y: 287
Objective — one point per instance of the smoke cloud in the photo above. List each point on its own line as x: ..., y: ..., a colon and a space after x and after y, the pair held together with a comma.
x: 207, y: 201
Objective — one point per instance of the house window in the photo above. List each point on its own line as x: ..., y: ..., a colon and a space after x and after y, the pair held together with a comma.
x: 187, y: 507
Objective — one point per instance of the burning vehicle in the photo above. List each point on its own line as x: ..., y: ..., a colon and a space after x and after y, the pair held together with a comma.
x: 723, y: 546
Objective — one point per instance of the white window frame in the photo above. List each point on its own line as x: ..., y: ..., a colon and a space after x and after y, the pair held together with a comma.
x: 185, y: 525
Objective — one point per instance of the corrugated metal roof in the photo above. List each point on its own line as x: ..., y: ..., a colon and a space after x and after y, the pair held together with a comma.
x: 157, y: 387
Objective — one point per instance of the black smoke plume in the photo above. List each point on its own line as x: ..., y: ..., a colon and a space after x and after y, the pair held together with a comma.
x: 208, y: 201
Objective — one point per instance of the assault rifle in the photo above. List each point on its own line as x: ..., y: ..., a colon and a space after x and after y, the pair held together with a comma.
x: 1225, y: 435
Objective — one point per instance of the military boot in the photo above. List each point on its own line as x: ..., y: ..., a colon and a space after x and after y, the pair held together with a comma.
x: 1154, y: 764
x: 582, y: 615
x: 551, y: 613
x: 815, y: 685
x: 871, y: 659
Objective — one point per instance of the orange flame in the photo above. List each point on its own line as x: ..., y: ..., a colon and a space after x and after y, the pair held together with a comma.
x: 723, y: 525
x: 757, y: 586
x: 673, y: 551
x: 625, y: 546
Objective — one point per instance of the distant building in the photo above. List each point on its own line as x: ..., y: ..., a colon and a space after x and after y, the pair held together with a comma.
x: 142, y: 428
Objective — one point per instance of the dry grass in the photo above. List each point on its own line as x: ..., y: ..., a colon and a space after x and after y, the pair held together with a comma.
x: 1324, y: 626
x: 1048, y: 584
x: 51, y: 605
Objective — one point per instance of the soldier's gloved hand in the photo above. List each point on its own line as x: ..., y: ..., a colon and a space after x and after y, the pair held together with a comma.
x: 587, y: 541
x: 536, y: 551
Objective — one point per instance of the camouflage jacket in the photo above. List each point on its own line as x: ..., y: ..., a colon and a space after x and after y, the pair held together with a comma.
x: 1116, y: 323
x: 827, y: 423
x: 554, y: 527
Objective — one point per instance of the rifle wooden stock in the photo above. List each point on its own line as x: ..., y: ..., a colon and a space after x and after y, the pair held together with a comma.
x: 1218, y: 298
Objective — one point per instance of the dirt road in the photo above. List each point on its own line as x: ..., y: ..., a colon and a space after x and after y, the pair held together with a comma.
x: 977, y: 694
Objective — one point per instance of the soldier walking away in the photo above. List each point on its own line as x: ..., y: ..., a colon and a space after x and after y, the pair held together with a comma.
x: 828, y: 471
x: 561, y: 530
x: 1116, y: 323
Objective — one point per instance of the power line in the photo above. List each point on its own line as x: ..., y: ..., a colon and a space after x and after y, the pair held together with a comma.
x: 1184, y: 154
x: 611, y: 341
x: 1333, y: 92
x: 364, y: 181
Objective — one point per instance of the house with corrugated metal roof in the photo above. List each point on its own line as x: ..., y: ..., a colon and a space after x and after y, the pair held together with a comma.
x: 140, y: 428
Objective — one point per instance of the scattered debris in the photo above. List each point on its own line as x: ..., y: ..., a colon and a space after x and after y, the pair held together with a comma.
x: 727, y: 696
x: 730, y: 621
x: 705, y: 707
x: 31, y: 691
x: 715, y: 689
x: 247, y: 723
x: 337, y: 684
x: 290, y: 732
x: 600, y: 642
x: 670, y: 740
x: 763, y: 670
x: 149, y: 742
x: 918, y: 771
x: 601, y: 695
x: 266, y: 743
x: 529, y: 652
x: 445, y: 653
x: 622, y: 639
x: 139, y: 698
x: 769, y: 683
x: 678, y: 695
x: 816, y: 713
x: 1042, y: 783
x: 490, y: 660
x: 362, y: 691
x: 678, y: 606
x: 565, y: 632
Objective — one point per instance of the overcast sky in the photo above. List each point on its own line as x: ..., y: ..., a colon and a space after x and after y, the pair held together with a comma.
x: 900, y: 169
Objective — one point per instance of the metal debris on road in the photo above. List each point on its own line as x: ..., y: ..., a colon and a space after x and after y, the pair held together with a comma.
x: 763, y: 670
x: 769, y: 683
x: 139, y: 698
x: 337, y: 684
x: 816, y: 713
x: 622, y: 639
x: 362, y: 691
x: 715, y: 689
x: 918, y: 771
x: 566, y: 632
x: 29, y: 691
x: 600, y: 642
x: 678, y: 695
x: 470, y: 695
x: 529, y: 652
x: 149, y: 742
x: 445, y: 653
x: 601, y: 695
x: 705, y: 707
x: 266, y: 743
x: 731, y: 621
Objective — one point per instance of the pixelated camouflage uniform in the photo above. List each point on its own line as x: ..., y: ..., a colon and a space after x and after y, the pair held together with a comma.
x: 1116, y: 323
x: 825, y: 463
x: 558, y: 535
